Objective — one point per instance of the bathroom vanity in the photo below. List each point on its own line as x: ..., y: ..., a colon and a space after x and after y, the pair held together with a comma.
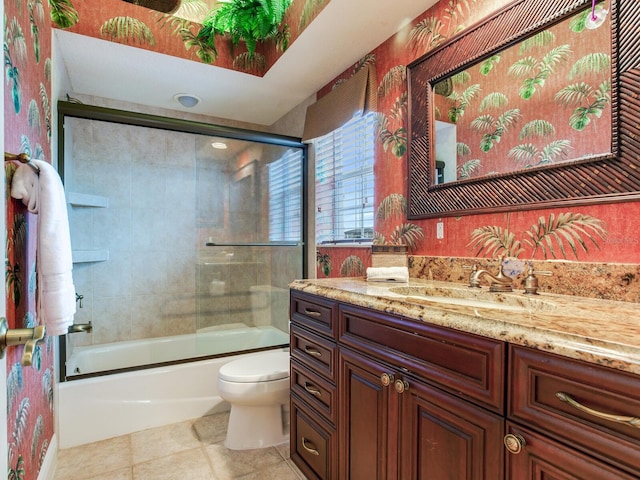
x: 438, y: 381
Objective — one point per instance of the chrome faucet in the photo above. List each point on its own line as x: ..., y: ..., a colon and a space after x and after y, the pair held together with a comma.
x: 497, y: 283
x: 80, y: 327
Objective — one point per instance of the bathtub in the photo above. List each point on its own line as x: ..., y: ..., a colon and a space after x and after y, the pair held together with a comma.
x: 97, y: 408
x: 207, y: 342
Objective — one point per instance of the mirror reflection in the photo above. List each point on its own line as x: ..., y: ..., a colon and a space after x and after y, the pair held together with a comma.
x: 544, y: 100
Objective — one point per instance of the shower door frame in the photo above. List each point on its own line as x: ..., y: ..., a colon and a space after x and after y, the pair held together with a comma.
x: 90, y: 112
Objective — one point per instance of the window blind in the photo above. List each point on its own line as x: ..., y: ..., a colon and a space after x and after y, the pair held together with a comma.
x: 285, y: 197
x: 345, y: 182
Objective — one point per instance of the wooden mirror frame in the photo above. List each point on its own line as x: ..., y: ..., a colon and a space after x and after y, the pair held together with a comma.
x: 613, y: 177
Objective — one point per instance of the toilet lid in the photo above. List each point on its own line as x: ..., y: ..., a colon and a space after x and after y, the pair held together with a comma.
x: 262, y: 367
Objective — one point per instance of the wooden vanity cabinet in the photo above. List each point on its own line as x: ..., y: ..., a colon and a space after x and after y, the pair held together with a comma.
x: 395, y: 422
x: 314, y: 355
x: 585, y: 419
x: 377, y: 396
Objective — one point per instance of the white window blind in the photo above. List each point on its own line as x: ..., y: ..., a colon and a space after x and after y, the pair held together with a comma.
x: 285, y: 197
x: 344, y: 182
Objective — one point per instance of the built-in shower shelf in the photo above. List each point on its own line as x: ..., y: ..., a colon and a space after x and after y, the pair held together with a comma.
x: 88, y: 256
x: 86, y: 200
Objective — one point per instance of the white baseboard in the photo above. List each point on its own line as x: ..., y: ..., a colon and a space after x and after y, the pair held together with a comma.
x: 48, y: 470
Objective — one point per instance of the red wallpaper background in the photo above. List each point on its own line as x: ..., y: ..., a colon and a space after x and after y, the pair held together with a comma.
x: 621, y: 220
x: 27, y: 128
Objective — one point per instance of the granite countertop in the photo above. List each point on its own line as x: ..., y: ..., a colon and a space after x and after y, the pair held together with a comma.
x: 597, y: 331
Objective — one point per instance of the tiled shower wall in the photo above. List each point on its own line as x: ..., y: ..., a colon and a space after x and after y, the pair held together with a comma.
x: 147, y: 286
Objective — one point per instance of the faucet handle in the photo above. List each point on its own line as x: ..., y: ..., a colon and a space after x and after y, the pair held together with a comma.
x: 473, y: 280
x: 531, y: 281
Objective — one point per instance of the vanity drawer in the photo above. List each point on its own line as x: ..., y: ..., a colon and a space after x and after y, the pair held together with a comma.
x: 313, y: 389
x: 313, y: 312
x: 539, y: 378
x: 464, y: 364
x: 316, y: 352
x: 313, y: 443
x: 553, y: 460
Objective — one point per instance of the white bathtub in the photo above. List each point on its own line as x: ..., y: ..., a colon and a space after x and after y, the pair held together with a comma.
x: 214, y: 341
x: 98, y: 408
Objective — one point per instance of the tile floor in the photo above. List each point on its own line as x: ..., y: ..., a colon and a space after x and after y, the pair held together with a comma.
x: 193, y: 449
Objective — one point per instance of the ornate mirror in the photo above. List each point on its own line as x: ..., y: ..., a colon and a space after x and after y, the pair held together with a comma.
x: 531, y: 108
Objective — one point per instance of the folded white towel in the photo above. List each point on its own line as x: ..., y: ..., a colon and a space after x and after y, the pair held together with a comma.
x: 44, y: 195
x: 388, y: 274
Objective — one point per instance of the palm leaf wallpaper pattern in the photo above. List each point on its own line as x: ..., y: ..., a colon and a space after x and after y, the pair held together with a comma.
x: 533, y: 98
x: 554, y: 236
x: 27, y: 129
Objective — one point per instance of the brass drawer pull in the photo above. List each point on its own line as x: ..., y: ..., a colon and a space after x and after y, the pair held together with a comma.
x: 569, y: 400
x: 312, y: 351
x: 312, y: 313
x: 514, y: 442
x: 311, y: 449
x: 312, y: 390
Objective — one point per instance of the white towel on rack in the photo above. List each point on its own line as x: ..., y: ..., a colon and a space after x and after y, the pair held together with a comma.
x: 388, y: 274
x: 44, y: 195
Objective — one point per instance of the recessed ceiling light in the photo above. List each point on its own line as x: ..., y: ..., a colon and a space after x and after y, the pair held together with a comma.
x: 219, y: 145
x: 186, y: 99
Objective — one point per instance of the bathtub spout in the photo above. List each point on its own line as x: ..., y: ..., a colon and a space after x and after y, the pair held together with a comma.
x: 80, y: 327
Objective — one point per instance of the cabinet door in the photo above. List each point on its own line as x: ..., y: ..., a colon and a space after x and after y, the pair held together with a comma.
x: 446, y: 438
x: 364, y: 427
x: 541, y: 458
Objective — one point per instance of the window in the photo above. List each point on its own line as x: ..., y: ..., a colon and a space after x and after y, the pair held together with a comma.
x: 285, y: 197
x: 344, y: 183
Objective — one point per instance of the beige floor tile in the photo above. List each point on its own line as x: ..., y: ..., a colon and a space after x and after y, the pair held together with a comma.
x: 87, y: 461
x: 212, y: 428
x: 122, y: 474
x: 162, y: 441
x: 191, y: 464
x: 296, y: 470
x: 229, y: 464
x: 281, y: 471
x: 284, y: 450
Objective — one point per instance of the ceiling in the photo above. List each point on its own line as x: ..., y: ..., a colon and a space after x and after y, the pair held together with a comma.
x: 343, y: 32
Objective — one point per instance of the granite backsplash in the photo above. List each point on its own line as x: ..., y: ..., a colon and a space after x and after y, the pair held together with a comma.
x: 610, y: 281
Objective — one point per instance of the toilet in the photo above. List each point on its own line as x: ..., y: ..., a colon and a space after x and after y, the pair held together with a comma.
x: 257, y: 388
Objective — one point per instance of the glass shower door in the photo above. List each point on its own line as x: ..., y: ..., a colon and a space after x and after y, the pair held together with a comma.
x: 250, y: 229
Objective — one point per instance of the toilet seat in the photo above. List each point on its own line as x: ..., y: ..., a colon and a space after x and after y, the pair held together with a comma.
x: 265, y: 367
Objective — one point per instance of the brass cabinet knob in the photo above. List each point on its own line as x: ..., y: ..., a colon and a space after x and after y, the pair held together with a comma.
x: 514, y: 442
x: 386, y: 379
x: 401, y: 385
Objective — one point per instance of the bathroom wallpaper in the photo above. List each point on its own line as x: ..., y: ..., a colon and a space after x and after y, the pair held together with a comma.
x: 614, y: 242
x: 583, y: 240
x: 27, y: 128
x: 140, y: 27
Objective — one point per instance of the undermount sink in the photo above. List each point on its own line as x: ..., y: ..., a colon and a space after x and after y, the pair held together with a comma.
x: 474, y: 298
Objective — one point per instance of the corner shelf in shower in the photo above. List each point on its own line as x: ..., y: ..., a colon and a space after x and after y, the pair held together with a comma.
x: 86, y: 200
x: 76, y: 199
x: 89, y: 256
